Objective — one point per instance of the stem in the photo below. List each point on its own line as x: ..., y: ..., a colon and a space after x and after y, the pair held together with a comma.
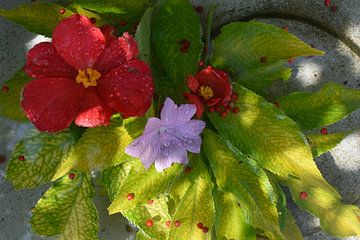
x: 208, y: 31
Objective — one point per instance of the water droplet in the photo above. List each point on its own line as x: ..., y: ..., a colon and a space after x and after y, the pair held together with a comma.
x: 205, y: 229
x: 149, y: 223
x: 150, y: 201
x: 5, y: 88
x: 177, y: 223
x: 72, y: 176
x: 21, y: 158
x: 200, y: 225
x: 130, y: 196
x: 168, y: 223
x: 62, y: 11
x: 303, y: 195
x: 166, y: 144
x: 324, y: 131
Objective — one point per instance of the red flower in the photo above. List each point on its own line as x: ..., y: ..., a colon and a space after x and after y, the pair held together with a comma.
x: 210, y: 87
x: 84, y: 75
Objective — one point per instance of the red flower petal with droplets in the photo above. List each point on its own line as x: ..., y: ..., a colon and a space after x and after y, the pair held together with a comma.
x: 128, y: 88
x: 52, y: 103
x: 194, y: 99
x: 118, y: 52
x: 193, y: 84
x: 78, y: 41
x: 43, y: 62
x: 93, y: 111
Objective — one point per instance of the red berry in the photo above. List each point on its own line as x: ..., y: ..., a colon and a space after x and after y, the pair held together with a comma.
x: 263, y: 59
x: 22, y: 158
x: 149, y: 223
x: 187, y: 170
x: 130, y: 196
x: 93, y: 20
x: 324, y: 131
x: 234, y: 96
x: 200, y: 225
x: 327, y: 3
x: 62, y: 11
x: 177, y: 223
x: 291, y: 61
x: 2, y: 159
x: 5, y: 89
x: 199, y: 9
x: 303, y: 195
x: 123, y: 23
x: 168, y: 223
x: 72, y: 176
x: 150, y: 201
x: 235, y: 110
x: 205, y: 230
x: 201, y: 63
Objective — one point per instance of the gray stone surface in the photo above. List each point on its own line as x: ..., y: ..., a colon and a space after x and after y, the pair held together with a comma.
x: 336, y: 33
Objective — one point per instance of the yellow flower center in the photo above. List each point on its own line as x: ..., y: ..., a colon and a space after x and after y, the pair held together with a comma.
x: 88, y: 77
x: 206, y: 92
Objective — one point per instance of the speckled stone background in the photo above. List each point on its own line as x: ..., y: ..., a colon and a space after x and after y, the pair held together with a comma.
x: 336, y: 33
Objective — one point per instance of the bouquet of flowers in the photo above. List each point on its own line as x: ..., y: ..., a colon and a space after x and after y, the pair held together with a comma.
x: 177, y: 122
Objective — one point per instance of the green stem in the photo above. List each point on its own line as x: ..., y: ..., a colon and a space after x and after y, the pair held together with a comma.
x: 208, y: 31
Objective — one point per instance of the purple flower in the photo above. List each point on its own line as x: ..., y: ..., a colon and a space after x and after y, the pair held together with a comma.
x: 167, y: 140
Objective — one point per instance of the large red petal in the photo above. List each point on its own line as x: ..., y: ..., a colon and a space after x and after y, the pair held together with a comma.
x: 194, y: 99
x: 118, y: 52
x: 128, y: 89
x: 78, y: 41
x: 52, y: 103
x: 93, y: 111
x: 217, y: 80
x: 43, y: 62
x: 193, y: 84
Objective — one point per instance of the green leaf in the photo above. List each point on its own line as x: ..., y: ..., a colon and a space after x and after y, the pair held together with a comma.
x: 336, y: 218
x: 145, y: 185
x: 323, y: 143
x: 157, y: 212
x: 290, y: 230
x: 114, y: 177
x: 40, y: 18
x: 241, y: 176
x: 90, y: 14
x: 173, y: 21
x: 263, y: 132
x: 43, y: 154
x: 101, y: 147
x: 231, y: 222
x: 143, y: 35
x: 196, y: 205
x: 256, y: 53
x: 66, y: 210
x: 10, y: 100
x: 141, y: 236
x: 312, y: 110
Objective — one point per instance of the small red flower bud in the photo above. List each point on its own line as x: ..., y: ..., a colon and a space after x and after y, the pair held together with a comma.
x: 263, y: 59
x: 62, y: 11
x: 149, y: 223
x: 150, y: 201
x: 327, y: 3
x: 200, y: 225
x: 72, y: 176
x: 177, y: 223
x: 5, y: 89
x: 21, y: 158
x: 123, y: 23
x: 205, y: 230
x: 324, y: 131
x: 235, y: 110
x: 187, y: 170
x: 234, y: 96
x: 168, y: 223
x: 303, y: 195
x: 130, y: 196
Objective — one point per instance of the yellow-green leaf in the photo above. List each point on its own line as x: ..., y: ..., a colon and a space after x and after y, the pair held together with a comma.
x: 257, y: 52
x: 290, y: 230
x: 37, y: 158
x: 144, y: 185
x: 323, y: 143
x: 231, y: 222
x: 40, y: 18
x: 67, y: 211
x: 10, y: 96
x: 263, y: 132
x: 143, y: 35
x: 196, y: 206
x: 241, y: 176
x: 312, y: 110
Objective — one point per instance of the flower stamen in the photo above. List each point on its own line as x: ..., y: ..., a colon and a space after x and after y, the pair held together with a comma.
x: 206, y: 92
x: 88, y: 77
